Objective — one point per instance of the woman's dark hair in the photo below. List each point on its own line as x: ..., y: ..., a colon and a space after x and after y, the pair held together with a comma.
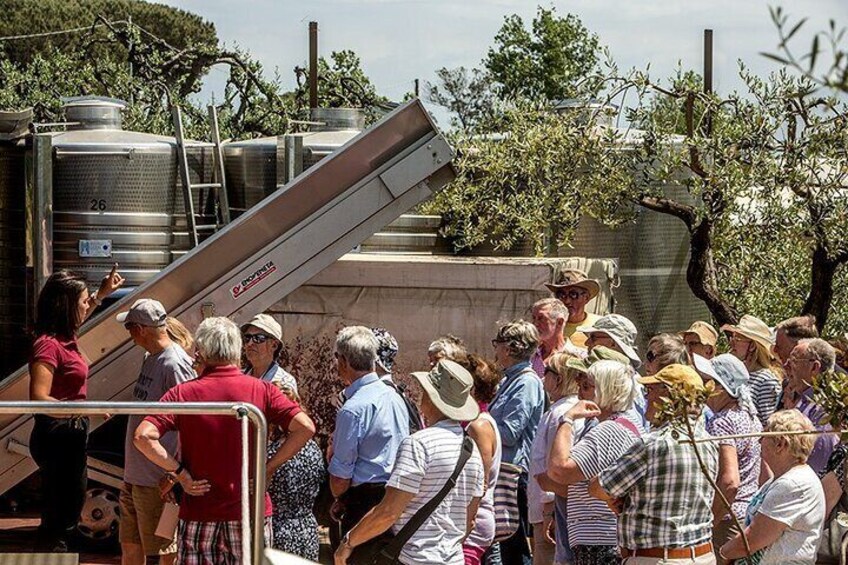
x: 56, y: 311
x: 486, y: 378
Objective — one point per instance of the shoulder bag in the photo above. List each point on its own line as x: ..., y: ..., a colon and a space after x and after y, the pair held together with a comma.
x: 387, y: 552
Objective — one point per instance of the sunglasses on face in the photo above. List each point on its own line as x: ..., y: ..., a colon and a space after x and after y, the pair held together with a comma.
x: 495, y: 342
x: 549, y: 369
x: 650, y: 356
x: 130, y: 325
x: 255, y: 338
x: 571, y: 294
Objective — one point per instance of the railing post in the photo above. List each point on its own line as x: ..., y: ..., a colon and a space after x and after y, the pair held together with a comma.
x: 243, y: 411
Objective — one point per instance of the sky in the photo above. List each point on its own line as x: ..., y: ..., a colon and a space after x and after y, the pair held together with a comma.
x: 401, y: 40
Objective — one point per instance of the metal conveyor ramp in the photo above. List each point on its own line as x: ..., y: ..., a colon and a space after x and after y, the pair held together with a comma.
x: 262, y: 256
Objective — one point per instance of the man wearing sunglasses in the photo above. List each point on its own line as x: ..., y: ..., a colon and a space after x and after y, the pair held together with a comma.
x: 574, y: 289
x: 165, y: 365
x: 263, y: 340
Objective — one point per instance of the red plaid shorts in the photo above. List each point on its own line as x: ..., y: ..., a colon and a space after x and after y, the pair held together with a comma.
x: 213, y: 543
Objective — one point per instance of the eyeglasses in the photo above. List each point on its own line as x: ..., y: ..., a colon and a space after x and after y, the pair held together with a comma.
x: 736, y: 338
x: 795, y: 360
x: 255, y: 338
x: 130, y: 325
x: 571, y: 294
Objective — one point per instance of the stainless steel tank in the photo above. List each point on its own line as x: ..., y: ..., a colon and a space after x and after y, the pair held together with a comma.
x: 13, y: 257
x: 117, y: 194
x: 653, y: 255
x: 253, y: 167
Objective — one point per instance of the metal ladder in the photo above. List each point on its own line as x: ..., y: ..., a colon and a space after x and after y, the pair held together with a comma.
x: 217, y: 191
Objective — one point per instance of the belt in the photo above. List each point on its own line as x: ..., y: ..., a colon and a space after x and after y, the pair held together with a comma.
x: 669, y: 552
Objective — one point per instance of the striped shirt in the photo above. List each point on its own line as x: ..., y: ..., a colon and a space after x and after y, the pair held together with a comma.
x: 765, y: 388
x: 590, y: 521
x: 424, y: 463
x: 667, y: 500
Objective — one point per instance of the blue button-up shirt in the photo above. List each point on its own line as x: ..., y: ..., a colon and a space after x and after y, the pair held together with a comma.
x: 517, y: 409
x: 369, y: 428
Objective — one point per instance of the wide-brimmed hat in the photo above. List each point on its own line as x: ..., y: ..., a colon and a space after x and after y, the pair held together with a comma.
x: 448, y: 385
x: 387, y: 349
x: 703, y: 366
x: 599, y: 353
x: 267, y: 324
x: 675, y: 374
x: 752, y: 328
x: 731, y: 373
x: 144, y: 312
x: 707, y: 334
x: 621, y: 330
x: 574, y: 278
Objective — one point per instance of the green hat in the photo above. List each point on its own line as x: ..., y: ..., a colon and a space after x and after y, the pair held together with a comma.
x: 599, y: 353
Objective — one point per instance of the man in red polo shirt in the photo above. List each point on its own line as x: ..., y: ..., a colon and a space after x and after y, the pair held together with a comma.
x: 209, y: 468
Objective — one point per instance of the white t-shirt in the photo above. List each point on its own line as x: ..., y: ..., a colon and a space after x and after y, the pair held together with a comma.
x: 540, y: 451
x: 796, y: 499
x: 424, y: 463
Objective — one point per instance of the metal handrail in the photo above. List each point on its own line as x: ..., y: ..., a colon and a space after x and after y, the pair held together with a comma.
x: 237, y: 409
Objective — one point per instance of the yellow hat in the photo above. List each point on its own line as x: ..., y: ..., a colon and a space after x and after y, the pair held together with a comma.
x: 674, y: 375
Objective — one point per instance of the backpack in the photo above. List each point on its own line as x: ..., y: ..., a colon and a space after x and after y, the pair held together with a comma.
x: 414, y: 417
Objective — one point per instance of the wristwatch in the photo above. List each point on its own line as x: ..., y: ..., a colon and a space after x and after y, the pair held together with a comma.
x: 564, y: 419
x: 346, y: 541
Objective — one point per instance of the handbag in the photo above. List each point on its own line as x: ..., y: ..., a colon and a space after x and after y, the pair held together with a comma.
x: 387, y: 552
x: 506, y: 501
x: 834, y: 541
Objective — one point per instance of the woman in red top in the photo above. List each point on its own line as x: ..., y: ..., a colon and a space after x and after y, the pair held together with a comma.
x: 58, y: 372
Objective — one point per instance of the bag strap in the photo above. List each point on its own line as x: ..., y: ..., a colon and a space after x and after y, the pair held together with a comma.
x: 394, y: 547
x: 628, y: 424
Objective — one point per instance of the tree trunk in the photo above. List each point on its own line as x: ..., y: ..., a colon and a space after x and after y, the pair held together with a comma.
x: 823, y: 270
x: 701, y: 274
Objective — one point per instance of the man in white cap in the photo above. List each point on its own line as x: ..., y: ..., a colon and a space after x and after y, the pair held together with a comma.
x: 263, y: 341
x: 616, y: 332
x: 165, y: 365
x: 426, y: 461
x: 574, y: 289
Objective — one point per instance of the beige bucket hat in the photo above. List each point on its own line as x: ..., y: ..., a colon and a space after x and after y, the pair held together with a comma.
x: 706, y: 333
x: 448, y: 385
x: 752, y: 328
x: 267, y: 324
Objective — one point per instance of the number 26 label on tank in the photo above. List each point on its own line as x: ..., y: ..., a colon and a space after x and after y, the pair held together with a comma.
x: 95, y: 248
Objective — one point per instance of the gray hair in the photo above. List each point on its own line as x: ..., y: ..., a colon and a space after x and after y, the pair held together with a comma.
x: 521, y: 337
x: 821, y: 351
x: 801, y: 445
x: 218, y: 340
x: 556, y: 309
x: 448, y: 347
x: 670, y: 350
x: 358, y: 346
x: 614, y: 388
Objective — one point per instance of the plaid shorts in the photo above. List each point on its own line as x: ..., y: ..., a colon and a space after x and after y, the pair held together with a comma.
x: 213, y: 543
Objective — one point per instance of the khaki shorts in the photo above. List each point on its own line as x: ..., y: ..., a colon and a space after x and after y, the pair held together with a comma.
x: 140, y: 511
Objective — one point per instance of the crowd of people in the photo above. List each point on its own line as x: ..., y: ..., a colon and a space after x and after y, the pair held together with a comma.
x: 556, y: 447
